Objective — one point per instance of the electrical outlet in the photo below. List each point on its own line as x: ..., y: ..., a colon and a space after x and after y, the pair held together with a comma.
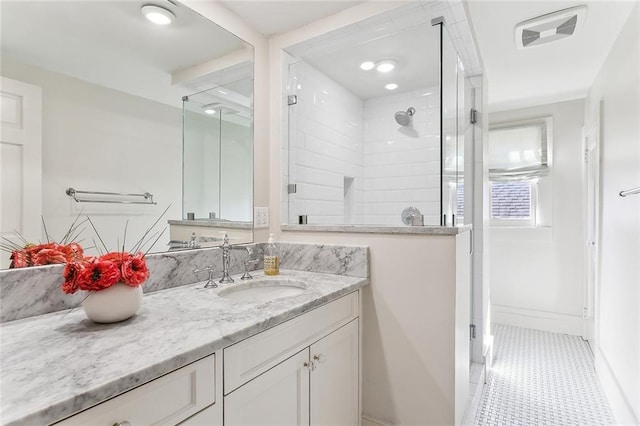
x: 261, y: 217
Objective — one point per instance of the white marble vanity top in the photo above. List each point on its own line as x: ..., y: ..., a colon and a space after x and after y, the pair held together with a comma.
x: 380, y: 229
x: 57, y: 364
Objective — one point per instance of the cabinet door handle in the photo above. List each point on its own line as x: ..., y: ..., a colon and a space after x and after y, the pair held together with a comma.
x: 122, y: 423
x: 320, y: 358
x: 309, y: 366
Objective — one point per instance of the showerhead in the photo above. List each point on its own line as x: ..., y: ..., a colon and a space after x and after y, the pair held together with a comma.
x: 403, y: 118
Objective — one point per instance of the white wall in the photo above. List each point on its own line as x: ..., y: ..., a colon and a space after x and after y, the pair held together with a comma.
x: 401, y: 164
x: 536, y: 273
x: 325, y: 144
x: 99, y: 139
x: 335, y: 135
x: 617, y: 89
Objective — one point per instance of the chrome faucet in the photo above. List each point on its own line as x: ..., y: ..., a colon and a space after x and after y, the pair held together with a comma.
x: 226, y: 259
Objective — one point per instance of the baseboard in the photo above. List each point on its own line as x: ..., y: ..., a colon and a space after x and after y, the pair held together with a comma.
x: 538, y: 320
x: 620, y: 405
x: 368, y: 421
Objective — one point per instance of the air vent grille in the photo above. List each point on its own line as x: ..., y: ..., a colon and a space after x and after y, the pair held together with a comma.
x: 551, y: 27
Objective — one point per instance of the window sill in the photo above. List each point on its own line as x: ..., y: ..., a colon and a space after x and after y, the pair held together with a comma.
x: 521, y: 233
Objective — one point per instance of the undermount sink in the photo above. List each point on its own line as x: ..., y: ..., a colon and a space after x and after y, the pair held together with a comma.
x: 261, y: 290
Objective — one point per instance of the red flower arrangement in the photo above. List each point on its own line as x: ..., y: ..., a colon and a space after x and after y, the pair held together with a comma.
x: 98, y: 273
x: 45, y: 254
x: 28, y: 254
x: 89, y: 273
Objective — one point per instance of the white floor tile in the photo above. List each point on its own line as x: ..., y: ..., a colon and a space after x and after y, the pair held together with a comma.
x: 542, y: 378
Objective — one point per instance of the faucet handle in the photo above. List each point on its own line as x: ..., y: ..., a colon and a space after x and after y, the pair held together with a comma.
x: 247, y: 275
x: 210, y: 282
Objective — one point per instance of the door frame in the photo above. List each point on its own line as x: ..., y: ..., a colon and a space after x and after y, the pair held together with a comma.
x: 591, y: 255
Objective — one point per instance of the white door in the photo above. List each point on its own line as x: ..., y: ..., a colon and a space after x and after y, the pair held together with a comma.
x: 278, y: 397
x: 335, y: 378
x: 20, y: 162
x: 591, y: 176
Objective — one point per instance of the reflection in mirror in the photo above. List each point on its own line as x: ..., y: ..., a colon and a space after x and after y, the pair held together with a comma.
x: 364, y: 127
x: 218, y: 150
x: 99, y: 109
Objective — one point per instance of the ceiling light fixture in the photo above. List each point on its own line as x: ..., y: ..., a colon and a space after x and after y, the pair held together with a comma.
x: 367, y: 65
x: 158, y: 15
x: 391, y: 86
x: 386, y: 65
x: 209, y: 109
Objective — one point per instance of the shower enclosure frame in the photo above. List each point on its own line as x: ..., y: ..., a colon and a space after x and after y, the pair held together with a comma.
x: 452, y: 151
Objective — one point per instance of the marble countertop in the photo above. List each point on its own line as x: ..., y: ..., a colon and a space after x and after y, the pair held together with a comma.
x: 212, y: 223
x: 57, y: 364
x: 380, y: 229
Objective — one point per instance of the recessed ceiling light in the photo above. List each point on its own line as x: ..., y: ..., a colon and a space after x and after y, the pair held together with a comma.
x: 391, y: 86
x: 209, y: 109
x: 158, y: 15
x: 367, y: 65
x: 386, y: 65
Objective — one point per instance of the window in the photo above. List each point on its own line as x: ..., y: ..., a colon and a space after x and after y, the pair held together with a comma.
x: 519, y: 155
x: 514, y: 203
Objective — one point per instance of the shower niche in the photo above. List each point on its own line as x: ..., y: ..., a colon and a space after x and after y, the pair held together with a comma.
x: 375, y: 123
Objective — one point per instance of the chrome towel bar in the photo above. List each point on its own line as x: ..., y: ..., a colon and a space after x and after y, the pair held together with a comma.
x: 630, y: 192
x: 73, y: 193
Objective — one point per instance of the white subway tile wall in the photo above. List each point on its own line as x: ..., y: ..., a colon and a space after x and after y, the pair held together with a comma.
x: 352, y: 162
x: 325, y: 143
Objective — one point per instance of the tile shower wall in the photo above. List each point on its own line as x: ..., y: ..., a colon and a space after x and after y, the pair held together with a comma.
x: 401, y: 164
x: 325, y: 147
x: 352, y: 162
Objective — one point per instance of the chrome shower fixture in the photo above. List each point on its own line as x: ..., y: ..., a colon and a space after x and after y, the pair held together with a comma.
x: 404, y: 118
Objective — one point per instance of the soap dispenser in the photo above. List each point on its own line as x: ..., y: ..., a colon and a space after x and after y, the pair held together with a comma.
x: 271, y: 259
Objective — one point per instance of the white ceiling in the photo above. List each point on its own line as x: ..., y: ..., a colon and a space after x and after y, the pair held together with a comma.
x: 404, y: 34
x: 277, y: 17
x: 517, y: 78
x: 553, y: 72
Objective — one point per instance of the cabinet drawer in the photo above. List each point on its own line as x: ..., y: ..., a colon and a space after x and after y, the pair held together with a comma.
x: 255, y: 355
x: 164, y: 401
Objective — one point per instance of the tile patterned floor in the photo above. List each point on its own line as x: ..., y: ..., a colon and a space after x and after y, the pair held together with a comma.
x: 541, y: 378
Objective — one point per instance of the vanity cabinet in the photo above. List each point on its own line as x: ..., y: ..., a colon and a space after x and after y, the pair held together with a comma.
x: 168, y: 400
x: 305, y: 371
x: 317, y: 384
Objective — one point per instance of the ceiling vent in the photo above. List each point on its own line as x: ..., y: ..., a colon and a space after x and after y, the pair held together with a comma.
x: 550, y: 27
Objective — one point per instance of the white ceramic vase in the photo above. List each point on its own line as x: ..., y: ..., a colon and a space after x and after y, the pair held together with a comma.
x: 113, y: 304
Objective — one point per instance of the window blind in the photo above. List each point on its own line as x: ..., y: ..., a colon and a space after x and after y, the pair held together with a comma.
x: 518, y: 152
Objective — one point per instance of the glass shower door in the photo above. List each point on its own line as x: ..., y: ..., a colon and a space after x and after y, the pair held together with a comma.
x: 453, y: 134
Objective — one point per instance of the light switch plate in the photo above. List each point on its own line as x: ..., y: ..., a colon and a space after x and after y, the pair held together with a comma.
x: 261, y: 217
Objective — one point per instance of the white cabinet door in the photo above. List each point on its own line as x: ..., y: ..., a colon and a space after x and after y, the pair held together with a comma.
x: 335, y: 378
x: 279, y: 397
x: 20, y: 161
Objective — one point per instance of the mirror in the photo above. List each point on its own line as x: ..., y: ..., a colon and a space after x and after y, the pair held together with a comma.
x: 111, y: 91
